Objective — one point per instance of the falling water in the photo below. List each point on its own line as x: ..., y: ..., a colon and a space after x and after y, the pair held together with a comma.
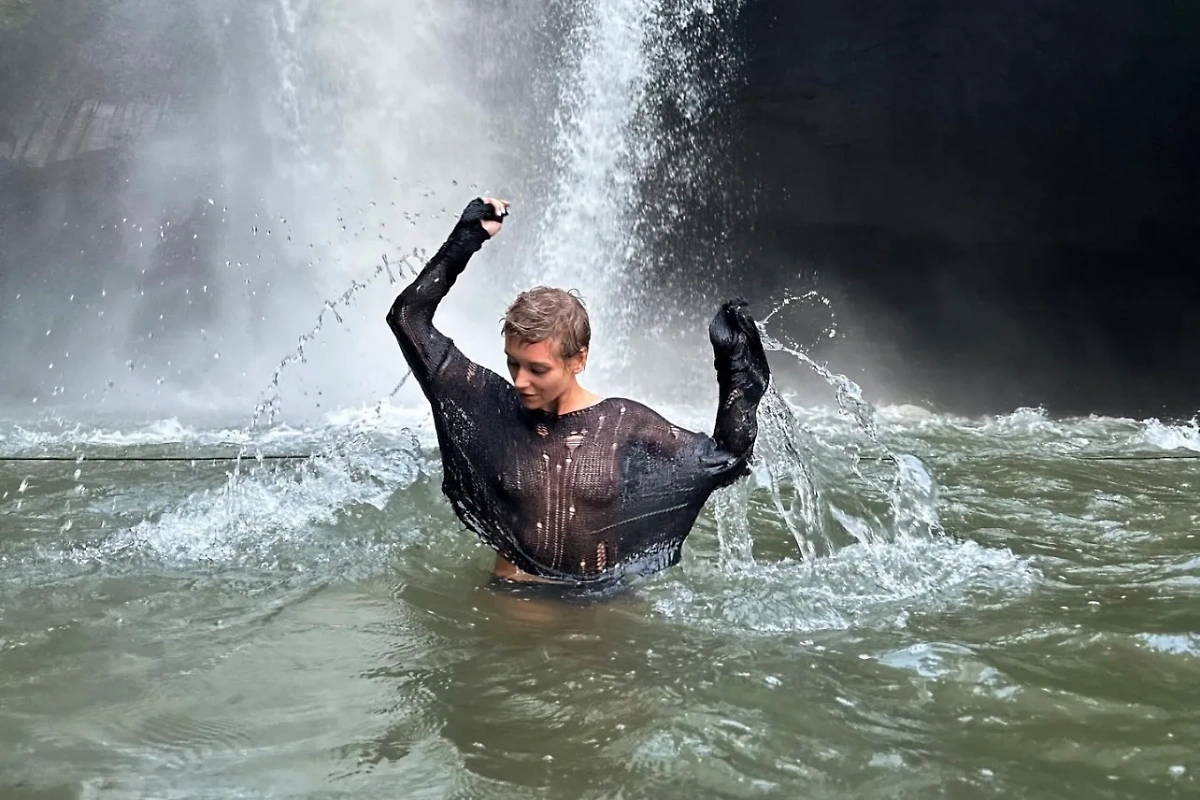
x: 586, y: 238
x: 585, y: 230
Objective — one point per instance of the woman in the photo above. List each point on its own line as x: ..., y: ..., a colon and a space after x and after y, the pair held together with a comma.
x: 565, y: 485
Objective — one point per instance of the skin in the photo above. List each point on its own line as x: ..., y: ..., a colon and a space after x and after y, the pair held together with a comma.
x: 544, y: 380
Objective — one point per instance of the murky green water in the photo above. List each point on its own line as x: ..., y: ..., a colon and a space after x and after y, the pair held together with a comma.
x: 323, y: 627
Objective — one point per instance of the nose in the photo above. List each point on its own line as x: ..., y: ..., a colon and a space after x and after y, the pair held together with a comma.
x: 521, y: 380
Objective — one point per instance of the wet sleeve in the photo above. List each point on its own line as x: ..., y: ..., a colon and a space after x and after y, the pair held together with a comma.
x: 743, y: 375
x: 425, y: 348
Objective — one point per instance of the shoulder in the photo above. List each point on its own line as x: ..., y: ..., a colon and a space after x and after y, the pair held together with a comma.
x: 460, y: 374
x: 641, y: 416
x: 623, y: 405
x: 648, y: 431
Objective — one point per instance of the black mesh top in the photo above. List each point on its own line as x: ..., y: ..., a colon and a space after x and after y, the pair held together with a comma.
x: 586, y: 496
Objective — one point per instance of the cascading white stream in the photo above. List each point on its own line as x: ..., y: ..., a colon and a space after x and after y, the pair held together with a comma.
x: 383, y: 119
x: 585, y: 236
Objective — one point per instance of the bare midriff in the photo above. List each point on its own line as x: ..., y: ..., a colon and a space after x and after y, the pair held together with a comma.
x: 508, y: 571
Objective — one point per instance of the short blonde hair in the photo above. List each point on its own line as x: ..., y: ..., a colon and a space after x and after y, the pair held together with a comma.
x: 545, y: 313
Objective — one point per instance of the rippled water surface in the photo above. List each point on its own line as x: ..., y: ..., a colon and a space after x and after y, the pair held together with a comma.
x: 982, y: 608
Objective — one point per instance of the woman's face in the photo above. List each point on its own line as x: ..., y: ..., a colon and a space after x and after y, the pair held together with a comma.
x: 539, y: 372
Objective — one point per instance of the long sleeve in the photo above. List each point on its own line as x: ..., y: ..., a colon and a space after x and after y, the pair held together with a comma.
x: 411, y: 315
x: 742, y: 378
x: 743, y: 375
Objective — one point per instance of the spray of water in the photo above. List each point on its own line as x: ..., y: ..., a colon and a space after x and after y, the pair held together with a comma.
x: 800, y: 472
x: 365, y: 134
x: 586, y: 238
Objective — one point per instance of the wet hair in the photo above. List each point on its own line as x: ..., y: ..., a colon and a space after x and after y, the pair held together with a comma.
x: 545, y: 313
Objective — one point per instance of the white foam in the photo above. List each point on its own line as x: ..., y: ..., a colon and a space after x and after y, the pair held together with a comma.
x: 1183, y: 644
x: 72, y: 437
x: 863, y: 585
x: 268, y: 516
x: 1161, y: 436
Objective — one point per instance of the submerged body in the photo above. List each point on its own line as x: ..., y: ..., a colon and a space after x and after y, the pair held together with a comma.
x: 584, y: 496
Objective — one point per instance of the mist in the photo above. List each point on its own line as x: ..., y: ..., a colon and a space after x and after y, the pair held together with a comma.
x: 301, y: 161
x: 987, y: 203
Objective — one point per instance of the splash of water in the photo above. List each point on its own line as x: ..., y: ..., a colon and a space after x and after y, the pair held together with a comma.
x: 613, y: 60
x: 616, y: 55
x: 794, y: 465
x: 268, y: 407
x: 585, y: 238
x: 848, y: 394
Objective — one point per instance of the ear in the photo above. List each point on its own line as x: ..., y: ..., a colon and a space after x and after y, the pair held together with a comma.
x: 579, y: 361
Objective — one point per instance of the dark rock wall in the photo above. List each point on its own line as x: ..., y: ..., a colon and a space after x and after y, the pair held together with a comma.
x: 1003, y: 196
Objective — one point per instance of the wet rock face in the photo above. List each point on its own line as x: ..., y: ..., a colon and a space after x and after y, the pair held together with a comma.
x: 999, y: 192
x: 67, y: 129
x: 983, y: 120
x: 79, y: 77
x: 83, y: 87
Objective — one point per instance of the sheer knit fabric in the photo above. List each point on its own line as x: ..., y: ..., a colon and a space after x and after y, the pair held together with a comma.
x: 582, y: 497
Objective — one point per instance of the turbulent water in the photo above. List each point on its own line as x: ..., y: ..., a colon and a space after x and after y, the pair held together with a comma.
x: 1019, y: 620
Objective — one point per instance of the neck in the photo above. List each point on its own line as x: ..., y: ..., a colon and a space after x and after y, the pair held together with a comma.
x: 573, y: 399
